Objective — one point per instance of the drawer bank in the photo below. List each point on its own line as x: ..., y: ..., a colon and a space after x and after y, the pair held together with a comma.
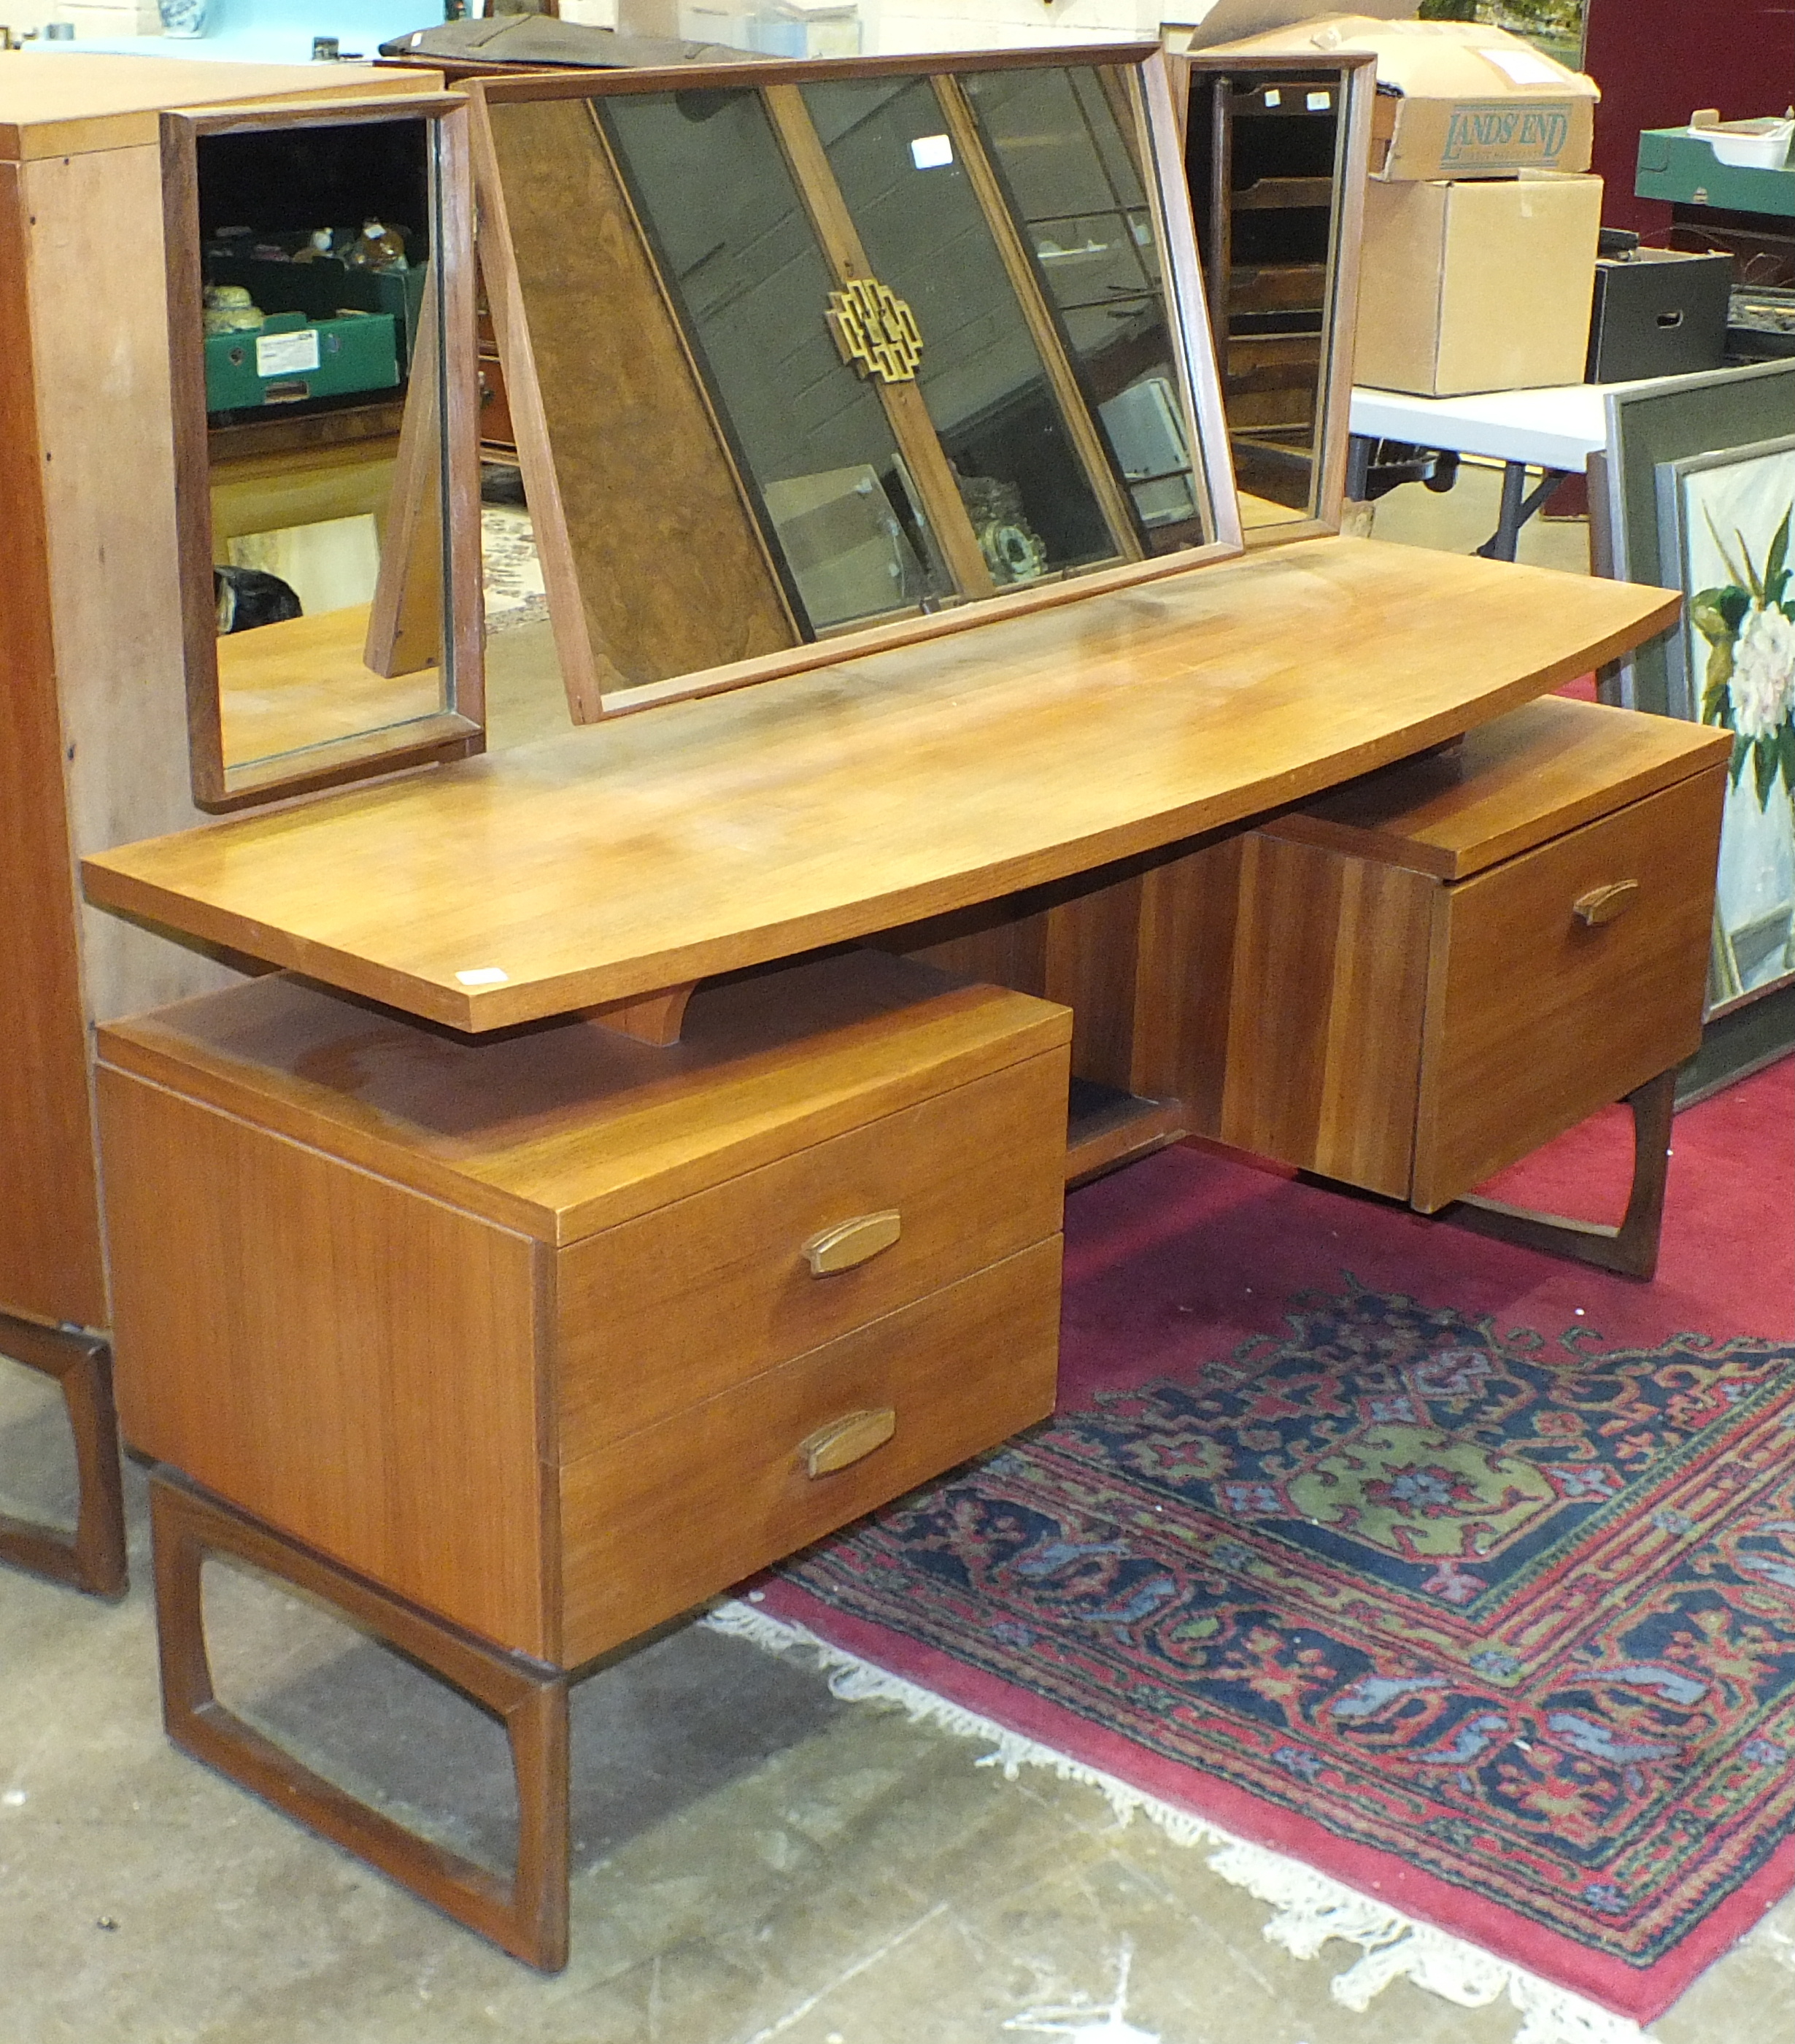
x: 539, y: 1342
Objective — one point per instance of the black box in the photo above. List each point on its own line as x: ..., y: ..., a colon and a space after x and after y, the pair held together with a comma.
x: 1659, y: 313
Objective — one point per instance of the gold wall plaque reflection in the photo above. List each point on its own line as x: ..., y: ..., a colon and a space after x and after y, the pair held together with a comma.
x: 875, y: 331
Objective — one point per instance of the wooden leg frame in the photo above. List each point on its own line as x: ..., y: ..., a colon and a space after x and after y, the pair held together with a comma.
x: 1632, y: 1247
x: 93, y: 1558
x: 526, y: 1914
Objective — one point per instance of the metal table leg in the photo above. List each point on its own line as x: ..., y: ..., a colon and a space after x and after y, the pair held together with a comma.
x: 1517, y: 508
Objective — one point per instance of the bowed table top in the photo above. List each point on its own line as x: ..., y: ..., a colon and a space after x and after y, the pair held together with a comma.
x: 706, y: 835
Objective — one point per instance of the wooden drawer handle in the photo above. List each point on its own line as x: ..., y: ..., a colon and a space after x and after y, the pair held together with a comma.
x: 1602, y: 904
x: 847, y: 1440
x: 851, y: 1242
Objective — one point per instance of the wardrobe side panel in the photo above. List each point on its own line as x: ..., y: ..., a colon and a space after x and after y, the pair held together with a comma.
x: 99, y: 298
x: 50, y: 1263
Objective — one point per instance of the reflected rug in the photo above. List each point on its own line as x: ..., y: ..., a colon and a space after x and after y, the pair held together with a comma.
x: 1462, y: 1577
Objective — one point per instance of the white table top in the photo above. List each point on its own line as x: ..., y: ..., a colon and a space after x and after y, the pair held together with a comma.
x: 1558, y: 427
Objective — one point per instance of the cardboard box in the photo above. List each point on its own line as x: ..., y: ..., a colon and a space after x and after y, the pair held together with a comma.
x: 1455, y: 99
x: 1479, y: 285
x: 1659, y: 311
x: 1202, y: 25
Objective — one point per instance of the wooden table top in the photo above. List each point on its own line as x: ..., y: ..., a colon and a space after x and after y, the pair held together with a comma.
x: 706, y: 836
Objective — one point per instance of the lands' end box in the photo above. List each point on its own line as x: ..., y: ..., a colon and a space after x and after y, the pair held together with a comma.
x: 1455, y: 99
x: 1477, y: 285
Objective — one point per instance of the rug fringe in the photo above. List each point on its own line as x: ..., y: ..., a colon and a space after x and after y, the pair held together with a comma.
x: 1310, y: 1907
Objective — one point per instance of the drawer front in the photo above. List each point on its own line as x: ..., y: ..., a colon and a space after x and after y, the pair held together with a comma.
x: 496, y: 429
x: 664, y: 1312
x: 1535, y: 1018
x: 653, y: 1525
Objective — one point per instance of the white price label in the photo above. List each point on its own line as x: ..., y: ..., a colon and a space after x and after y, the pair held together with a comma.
x: 1523, y: 68
x: 286, y: 353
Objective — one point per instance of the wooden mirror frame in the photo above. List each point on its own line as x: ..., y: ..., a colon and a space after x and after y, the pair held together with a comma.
x: 458, y: 728
x: 1168, y: 197
x: 1358, y: 77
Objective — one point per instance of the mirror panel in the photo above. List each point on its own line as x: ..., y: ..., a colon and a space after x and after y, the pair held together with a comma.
x: 1069, y: 155
x: 1276, y: 151
x: 308, y: 305
x: 740, y: 259
x: 848, y: 346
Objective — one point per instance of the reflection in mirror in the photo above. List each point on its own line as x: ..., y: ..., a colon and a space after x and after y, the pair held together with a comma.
x: 1276, y: 156
x: 843, y: 348
x: 320, y: 308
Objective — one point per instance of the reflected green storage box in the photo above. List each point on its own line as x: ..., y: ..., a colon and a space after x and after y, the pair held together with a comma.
x: 326, y: 289
x: 291, y: 358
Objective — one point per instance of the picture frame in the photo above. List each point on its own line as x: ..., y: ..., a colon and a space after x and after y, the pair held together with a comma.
x: 1674, y: 418
x: 1691, y: 463
x: 1724, y: 524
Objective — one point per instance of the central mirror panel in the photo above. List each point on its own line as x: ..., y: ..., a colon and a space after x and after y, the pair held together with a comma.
x: 853, y: 346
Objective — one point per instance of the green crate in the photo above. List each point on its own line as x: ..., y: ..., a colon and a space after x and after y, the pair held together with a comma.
x: 291, y: 358
x: 322, y: 288
x: 1680, y: 167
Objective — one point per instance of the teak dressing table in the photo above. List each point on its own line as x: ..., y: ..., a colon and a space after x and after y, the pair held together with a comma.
x: 342, y: 1169
x: 596, y: 1208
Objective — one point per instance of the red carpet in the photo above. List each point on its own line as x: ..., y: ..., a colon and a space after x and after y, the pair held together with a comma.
x: 1462, y: 1574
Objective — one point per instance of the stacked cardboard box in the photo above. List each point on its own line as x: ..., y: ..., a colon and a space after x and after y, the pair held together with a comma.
x: 1481, y: 219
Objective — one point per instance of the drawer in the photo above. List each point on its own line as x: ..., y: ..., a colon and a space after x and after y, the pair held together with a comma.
x: 1534, y: 1019
x: 653, y: 1525
x: 664, y: 1312
x: 496, y: 429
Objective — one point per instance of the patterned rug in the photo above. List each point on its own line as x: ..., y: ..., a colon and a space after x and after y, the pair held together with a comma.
x: 511, y: 573
x: 1491, y: 1620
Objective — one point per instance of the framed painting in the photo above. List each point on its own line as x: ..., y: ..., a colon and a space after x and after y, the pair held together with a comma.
x: 1723, y: 525
x: 1695, y: 489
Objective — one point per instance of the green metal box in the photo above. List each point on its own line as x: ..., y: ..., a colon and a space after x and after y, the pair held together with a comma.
x: 291, y: 358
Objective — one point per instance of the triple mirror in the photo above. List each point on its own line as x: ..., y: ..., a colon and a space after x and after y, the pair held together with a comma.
x: 321, y: 320
x: 818, y: 357
x: 1277, y: 153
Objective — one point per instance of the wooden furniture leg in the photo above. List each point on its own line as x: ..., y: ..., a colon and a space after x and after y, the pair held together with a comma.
x: 1632, y: 1247
x: 526, y: 1915
x: 93, y: 1558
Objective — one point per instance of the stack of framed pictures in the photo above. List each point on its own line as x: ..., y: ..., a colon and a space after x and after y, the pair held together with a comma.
x: 1699, y: 492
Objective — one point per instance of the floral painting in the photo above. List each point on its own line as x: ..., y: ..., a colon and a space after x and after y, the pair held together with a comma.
x: 1735, y: 515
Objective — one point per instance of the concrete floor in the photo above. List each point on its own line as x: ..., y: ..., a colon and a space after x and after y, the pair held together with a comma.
x: 755, y: 1860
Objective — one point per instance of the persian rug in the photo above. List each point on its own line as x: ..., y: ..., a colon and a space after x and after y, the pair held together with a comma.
x: 1463, y: 1578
